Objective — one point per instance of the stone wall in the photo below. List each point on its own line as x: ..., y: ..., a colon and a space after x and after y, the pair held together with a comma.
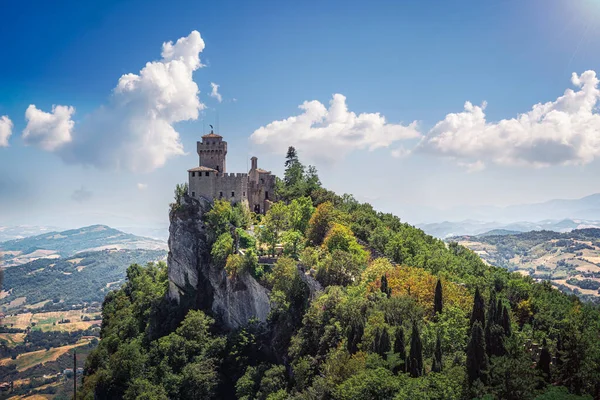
x: 229, y: 186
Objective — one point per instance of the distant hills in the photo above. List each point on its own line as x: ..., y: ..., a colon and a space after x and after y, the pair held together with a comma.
x: 23, y: 231
x: 447, y: 229
x: 53, y: 245
x: 71, y: 267
x: 570, y: 260
x: 585, y: 208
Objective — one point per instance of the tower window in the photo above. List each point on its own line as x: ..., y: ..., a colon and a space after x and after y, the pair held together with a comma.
x: 244, y: 194
x: 232, y: 194
x: 206, y: 173
x: 220, y: 194
x: 267, y: 195
x: 193, y: 194
x: 217, y: 167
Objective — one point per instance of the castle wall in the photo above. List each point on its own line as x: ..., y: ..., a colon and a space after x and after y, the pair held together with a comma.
x: 228, y: 186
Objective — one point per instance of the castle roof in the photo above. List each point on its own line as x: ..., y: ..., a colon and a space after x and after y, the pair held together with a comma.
x: 202, y: 169
x: 262, y: 171
x: 212, y: 135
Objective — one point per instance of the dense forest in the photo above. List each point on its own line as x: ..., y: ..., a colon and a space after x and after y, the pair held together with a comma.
x: 401, y: 315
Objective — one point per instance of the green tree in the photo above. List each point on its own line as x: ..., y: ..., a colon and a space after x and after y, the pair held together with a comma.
x: 338, y: 268
x: 437, y: 301
x: 400, y: 348
x: 478, y: 313
x: 234, y: 264
x: 301, y: 209
x: 477, y: 359
x: 218, y: 218
x: 221, y: 249
x: 544, y: 361
x: 275, y: 222
x: 415, y: 366
x: 292, y: 243
x: 437, y: 356
x: 180, y: 191
x: 320, y: 223
x: 381, y: 342
x: 385, y: 289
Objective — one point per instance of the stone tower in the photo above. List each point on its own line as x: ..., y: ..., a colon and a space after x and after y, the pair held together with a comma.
x: 212, y: 152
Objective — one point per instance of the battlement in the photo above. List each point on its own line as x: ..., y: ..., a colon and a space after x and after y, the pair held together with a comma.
x: 233, y: 175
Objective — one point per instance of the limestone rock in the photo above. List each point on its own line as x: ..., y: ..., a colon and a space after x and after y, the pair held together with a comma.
x: 195, y: 283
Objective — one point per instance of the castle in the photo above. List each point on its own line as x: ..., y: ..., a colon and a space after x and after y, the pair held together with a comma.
x: 211, y: 180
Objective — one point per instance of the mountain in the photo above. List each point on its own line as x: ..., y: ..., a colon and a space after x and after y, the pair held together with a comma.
x: 585, y: 208
x: 54, y: 245
x: 69, y: 282
x: 448, y: 229
x: 570, y: 260
x: 23, y: 231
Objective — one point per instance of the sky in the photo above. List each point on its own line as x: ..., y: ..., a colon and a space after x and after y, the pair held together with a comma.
x: 412, y: 106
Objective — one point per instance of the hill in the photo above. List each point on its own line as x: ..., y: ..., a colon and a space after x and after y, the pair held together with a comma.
x: 444, y: 230
x: 570, y: 260
x: 326, y: 298
x: 23, y: 231
x: 69, y: 282
x: 54, y: 245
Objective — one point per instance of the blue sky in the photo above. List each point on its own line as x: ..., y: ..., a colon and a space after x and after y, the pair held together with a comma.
x: 408, y: 61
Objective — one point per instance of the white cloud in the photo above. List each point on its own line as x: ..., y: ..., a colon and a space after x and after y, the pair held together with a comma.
x: 142, y: 186
x: 561, y: 132
x: 134, y: 130
x: 48, y: 131
x: 215, y: 92
x: 400, y: 152
x: 6, y: 126
x: 472, y: 167
x: 327, y: 135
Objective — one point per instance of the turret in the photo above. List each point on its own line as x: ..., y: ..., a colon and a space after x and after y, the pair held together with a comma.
x: 212, y: 152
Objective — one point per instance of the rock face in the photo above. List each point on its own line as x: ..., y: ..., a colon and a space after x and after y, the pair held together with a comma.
x: 195, y: 283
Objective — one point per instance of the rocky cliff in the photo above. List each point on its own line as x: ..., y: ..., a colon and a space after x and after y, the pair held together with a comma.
x: 195, y: 283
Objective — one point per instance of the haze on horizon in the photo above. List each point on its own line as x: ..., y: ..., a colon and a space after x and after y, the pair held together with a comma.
x: 426, y: 110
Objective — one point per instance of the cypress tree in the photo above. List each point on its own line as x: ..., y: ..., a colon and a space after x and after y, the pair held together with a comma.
x: 437, y: 356
x: 416, y: 353
x: 492, y: 310
x: 544, y: 361
x: 477, y: 359
x: 437, y: 301
x: 381, y: 342
x: 400, y: 347
x: 559, y: 351
x: 499, y: 309
x: 506, y: 322
x: 384, y: 286
x: 478, y: 313
x: 384, y: 343
x: 355, y: 334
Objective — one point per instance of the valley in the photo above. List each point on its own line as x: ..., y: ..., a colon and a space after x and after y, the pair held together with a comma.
x: 570, y: 260
x: 54, y: 285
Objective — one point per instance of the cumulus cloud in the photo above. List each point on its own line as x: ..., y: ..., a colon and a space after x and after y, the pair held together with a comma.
x: 48, y: 130
x: 81, y: 195
x: 561, y: 132
x: 328, y: 134
x: 6, y: 126
x: 142, y: 186
x: 215, y: 92
x: 134, y: 130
